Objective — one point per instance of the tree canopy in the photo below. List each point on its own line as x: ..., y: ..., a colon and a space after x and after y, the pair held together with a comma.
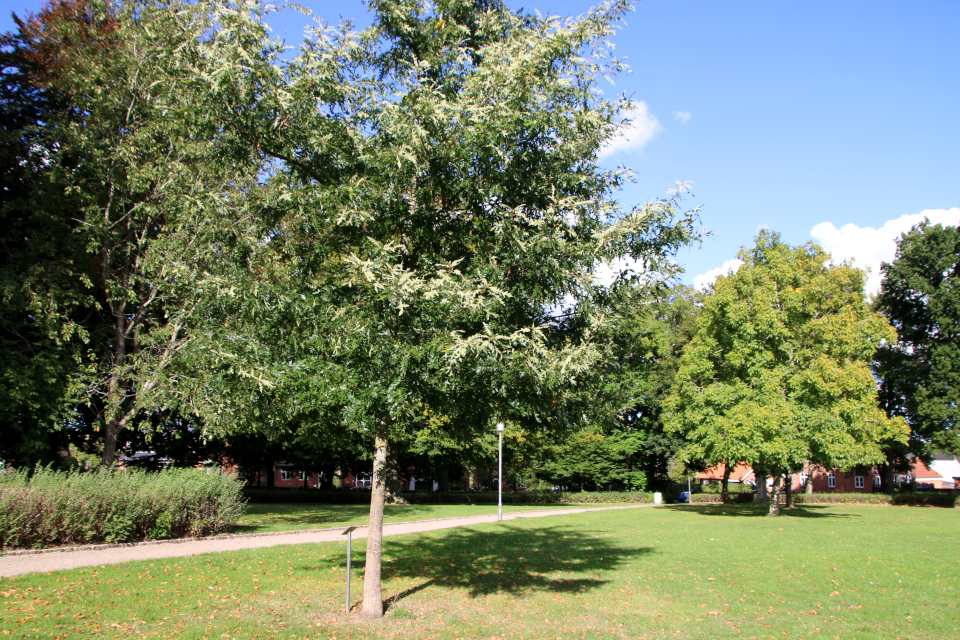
x: 778, y: 372
x: 919, y: 375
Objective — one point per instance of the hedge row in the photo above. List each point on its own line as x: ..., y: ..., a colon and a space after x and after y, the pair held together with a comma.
x: 340, y: 496
x: 52, y: 508
x: 925, y: 498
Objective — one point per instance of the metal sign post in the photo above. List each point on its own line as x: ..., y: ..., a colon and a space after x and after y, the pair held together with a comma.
x: 500, y: 474
x: 349, y: 534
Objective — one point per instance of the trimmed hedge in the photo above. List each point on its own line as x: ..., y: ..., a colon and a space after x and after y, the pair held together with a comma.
x: 347, y: 496
x: 52, y: 508
x: 714, y: 498
x: 920, y: 498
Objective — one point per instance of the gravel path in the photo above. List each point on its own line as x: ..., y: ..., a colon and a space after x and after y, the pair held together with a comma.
x: 69, y: 558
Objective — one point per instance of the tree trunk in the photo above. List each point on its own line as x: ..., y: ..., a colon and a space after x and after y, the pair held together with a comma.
x: 775, y: 495
x: 761, y: 479
x: 111, y: 429
x: 725, y: 483
x: 271, y: 474
x: 372, y: 592
x: 393, y: 482
x: 444, y: 480
x: 326, y: 476
x: 788, y: 488
x: 886, y: 477
x: 809, y: 488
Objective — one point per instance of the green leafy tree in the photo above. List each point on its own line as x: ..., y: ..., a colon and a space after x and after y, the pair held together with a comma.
x: 628, y: 448
x: 121, y: 173
x: 433, y: 198
x: 919, y: 377
x: 778, y: 372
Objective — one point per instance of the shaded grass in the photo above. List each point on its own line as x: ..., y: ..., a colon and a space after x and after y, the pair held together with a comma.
x: 849, y: 572
x: 261, y: 518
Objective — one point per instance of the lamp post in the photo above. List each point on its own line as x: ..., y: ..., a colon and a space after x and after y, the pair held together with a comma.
x: 500, y: 474
x: 349, y: 533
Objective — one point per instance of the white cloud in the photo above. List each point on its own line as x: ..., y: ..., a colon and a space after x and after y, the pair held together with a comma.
x: 682, y: 116
x: 705, y: 280
x: 607, y: 272
x: 641, y: 130
x: 867, y: 247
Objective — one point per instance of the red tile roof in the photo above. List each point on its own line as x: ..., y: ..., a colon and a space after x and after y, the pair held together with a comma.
x: 737, y: 474
x: 921, y: 470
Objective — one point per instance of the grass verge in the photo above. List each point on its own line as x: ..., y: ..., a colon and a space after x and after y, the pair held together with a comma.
x: 262, y: 518
x: 723, y: 571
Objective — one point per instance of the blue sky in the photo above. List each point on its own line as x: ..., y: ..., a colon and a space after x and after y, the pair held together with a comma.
x: 819, y: 119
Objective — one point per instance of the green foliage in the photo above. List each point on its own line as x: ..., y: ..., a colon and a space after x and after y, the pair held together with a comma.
x: 778, y: 373
x: 50, y: 508
x: 123, y: 177
x: 920, y: 381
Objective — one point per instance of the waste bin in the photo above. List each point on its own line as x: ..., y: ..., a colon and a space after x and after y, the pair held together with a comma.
x: 658, y: 498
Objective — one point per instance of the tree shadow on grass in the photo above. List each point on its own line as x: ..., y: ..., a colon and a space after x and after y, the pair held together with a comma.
x: 760, y: 510
x: 512, y: 559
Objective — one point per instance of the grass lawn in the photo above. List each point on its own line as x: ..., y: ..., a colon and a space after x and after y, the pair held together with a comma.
x: 676, y: 572
x: 289, y: 517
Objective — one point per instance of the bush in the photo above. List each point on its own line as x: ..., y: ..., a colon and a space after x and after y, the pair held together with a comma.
x: 924, y: 498
x: 841, y: 498
x: 65, y: 508
x: 741, y: 497
x: 308, y: 496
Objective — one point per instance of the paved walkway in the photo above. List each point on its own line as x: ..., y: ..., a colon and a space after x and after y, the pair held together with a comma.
x: 67, y: 558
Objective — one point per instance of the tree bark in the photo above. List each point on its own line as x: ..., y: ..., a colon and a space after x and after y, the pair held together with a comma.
x: 393, y: 480
x: 761, y: 479
x: 372, y: 591
x: 886, y: 477
x: 444, y: 482
x: 725, y: 483
x: 809, y: 488
x: 775, y: 495
x: 788, y: 488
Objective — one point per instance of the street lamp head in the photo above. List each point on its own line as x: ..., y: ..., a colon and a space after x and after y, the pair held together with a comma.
x: 500, y: 426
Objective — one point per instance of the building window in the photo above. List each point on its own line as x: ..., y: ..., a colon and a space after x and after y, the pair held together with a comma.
x: 804, y: 476
x: 876, y: 480
x: 831, y: 480
x: 364, y: 482
x: 858, y: 482
x: 303, y: 476
x: 284, y: 475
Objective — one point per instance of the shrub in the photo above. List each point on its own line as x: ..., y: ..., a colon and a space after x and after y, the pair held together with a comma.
x: 923, y: 498
x: 63, y: 508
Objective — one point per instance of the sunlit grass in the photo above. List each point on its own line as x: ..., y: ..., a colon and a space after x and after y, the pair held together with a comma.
x: 262, y: 518
x: 679, y: 572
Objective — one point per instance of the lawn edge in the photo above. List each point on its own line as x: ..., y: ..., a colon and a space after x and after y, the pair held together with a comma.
x: 229, y: 536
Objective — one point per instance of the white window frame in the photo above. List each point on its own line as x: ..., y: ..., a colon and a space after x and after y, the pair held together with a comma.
x: 284, y: 475
x: 832, y: 480
x: 877, y: 482
x: 364, y: 481
x: 804, y: 477
x: 858, y: 482
x: 302, y: 476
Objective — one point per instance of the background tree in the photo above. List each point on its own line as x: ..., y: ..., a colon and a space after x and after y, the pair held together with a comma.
x: 919, y: 376
x: 778, y: 373
x: 628, y: 448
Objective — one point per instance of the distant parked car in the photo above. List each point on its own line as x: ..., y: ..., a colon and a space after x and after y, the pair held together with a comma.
x: 684, y: 496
